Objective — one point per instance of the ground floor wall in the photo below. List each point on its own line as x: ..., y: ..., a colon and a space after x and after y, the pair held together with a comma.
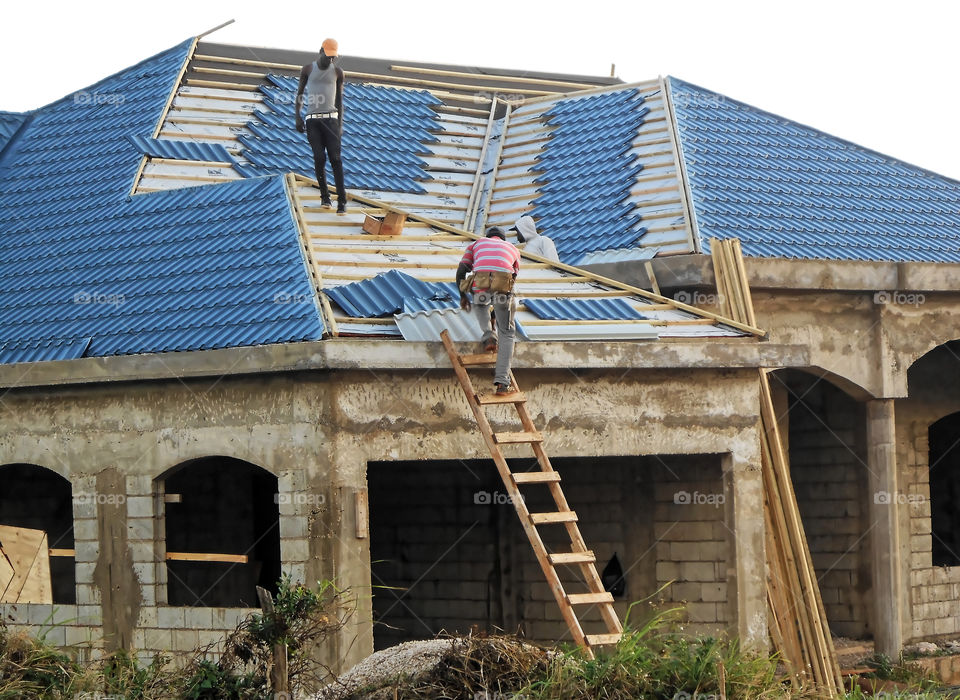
x: 317, y: 432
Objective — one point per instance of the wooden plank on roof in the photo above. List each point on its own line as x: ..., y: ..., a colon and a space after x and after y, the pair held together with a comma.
x: 495, y: 77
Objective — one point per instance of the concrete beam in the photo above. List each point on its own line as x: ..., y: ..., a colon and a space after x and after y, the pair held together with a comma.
x: 883, y: 493
x: 696, y: 271
x: 348, y: 353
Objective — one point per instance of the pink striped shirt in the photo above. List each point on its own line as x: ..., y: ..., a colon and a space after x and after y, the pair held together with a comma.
x: 492, y: 255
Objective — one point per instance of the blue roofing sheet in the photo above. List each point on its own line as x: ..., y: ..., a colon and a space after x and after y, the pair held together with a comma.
x: 787, y: 190
x: 384, y: 135
x: 385, y: 294
x: 86, y: 269
x: 180, y: 150
x: 592, y: 139
x: 583, y: 309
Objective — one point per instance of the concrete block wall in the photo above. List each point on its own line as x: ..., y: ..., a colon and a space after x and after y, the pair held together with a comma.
x: 693, y: 540
x: 828, y: 467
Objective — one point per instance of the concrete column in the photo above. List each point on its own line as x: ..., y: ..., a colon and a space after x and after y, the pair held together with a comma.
x: 884, y: 527
x: 744, y: 483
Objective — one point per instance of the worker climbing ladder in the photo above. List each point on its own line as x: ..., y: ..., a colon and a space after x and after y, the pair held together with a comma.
x: 578, y: 556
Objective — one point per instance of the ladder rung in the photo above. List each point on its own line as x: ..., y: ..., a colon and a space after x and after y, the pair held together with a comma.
x: 536, y: 477
x: 487, y: 358
x: 573, y: 558
x: 589, y: 598
x: 504, y: 438
x: 515, y: 397
x: 598, y: 640
x: 565, y: 516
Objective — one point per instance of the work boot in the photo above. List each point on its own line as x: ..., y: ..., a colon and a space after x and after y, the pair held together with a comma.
x: 341, y: 207
x: 504, y: 389
x: 326, y: 203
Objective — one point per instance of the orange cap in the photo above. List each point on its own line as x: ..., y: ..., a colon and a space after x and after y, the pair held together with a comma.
x: 329, y: 47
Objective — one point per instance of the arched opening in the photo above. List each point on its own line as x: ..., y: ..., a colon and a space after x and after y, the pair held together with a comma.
x: 222, y: 532
x: 824, y: 431
x: 944, y: 439
x: 40, y: 499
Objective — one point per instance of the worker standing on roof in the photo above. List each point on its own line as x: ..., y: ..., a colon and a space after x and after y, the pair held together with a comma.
x: 495, y: 264
x: 536, y: 244
x: 323, y: 81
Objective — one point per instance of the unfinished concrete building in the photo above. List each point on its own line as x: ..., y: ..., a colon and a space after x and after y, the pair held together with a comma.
x: 208, y: 380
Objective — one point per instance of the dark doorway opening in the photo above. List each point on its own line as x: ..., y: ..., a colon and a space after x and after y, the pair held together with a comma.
x: 944, y: 436
x: 225, y: 506
x: 40, y: 499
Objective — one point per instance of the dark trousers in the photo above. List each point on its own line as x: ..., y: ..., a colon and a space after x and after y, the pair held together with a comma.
x: 324, y: 138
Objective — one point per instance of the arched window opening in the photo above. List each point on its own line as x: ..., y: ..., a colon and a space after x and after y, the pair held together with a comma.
x: 222, y: 533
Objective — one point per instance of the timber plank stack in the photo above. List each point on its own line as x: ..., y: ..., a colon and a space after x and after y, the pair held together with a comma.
x: 797, y: 621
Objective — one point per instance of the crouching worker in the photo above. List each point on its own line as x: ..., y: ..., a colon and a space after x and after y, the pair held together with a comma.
x: 494, y: 264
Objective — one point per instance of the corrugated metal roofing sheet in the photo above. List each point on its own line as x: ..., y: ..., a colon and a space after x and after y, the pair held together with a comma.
x: 180, y: 150
x: 786, y: 190
x: 583, y: 309
x: 9, y: 123
x: 599, y: 257
x: 598, y: 331
x: 85, y: 269
x: 385, y: 294
x: 427, y: 325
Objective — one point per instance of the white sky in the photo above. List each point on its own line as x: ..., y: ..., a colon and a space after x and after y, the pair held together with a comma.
x: 881, y: 74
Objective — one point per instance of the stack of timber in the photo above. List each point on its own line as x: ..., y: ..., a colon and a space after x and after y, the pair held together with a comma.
x: 798, y: 623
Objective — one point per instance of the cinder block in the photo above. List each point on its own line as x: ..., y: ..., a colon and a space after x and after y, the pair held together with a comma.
x: 88, y: 595
x: 139, y: 485
x: 84, y: 570
x: 297, y: 571
x: 697, y: 571
x: 668, y: 571
x: 294, y: 550
x: 142, y: 552
x: 293, y: 526
x: 684, y: 551
x: 86, y: 551
x: 714, y: 592
x: 146, y: 573
x: 685, y: 591
x: 170, y: 617
x: 212, y: 639
x: 148, y: 595
x: 140, y: 529
x: 185, y: 640
x: 140, y: 507
x: 75, y: 636
x: 55, y: 635
x: 89, y: 614
x: 198, y: 618
x: 85, y: 529
x: 38, y: 613
x: 702, y: 612
x: 157, y: 639
x: 147, y: 616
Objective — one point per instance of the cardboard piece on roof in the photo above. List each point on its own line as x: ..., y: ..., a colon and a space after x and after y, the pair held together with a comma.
x: 24, y: 566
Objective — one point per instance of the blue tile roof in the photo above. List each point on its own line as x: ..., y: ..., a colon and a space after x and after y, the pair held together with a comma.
x: 787, y: 190
x: 86, y: 269
x: 384, y: 132
x: 588, y: 172
x: 9, y: 123
x: 180, y: 150
x: 583, y: 309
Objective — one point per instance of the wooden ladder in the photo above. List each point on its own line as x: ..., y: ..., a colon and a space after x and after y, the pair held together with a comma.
x: 579, y: 555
